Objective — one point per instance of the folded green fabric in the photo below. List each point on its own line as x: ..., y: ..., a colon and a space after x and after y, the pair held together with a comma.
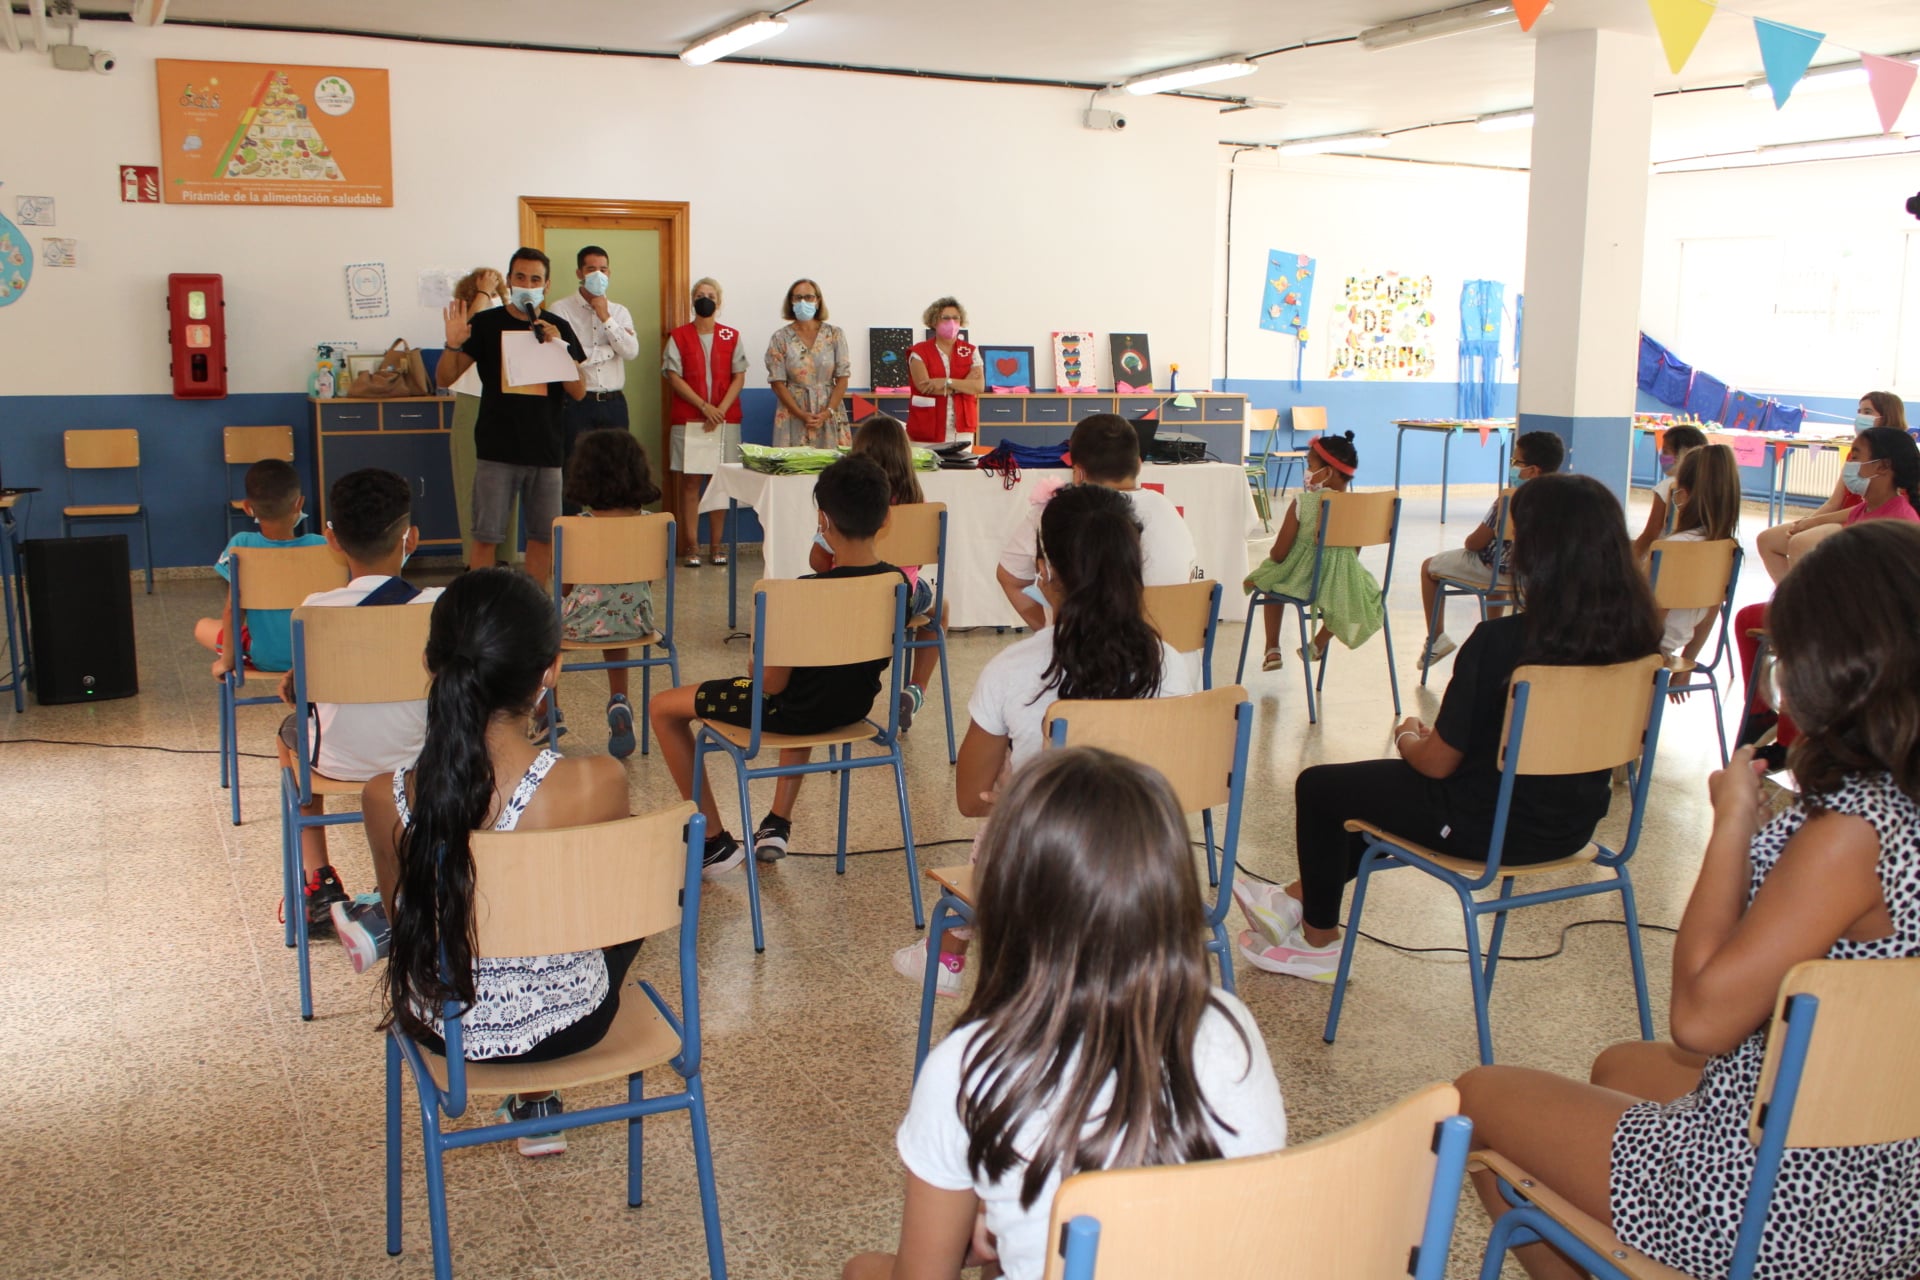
x: 803, y: 460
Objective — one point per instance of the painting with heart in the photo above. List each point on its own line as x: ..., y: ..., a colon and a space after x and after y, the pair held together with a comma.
x: 1132, y: 363
x: 887, y: 355
x: 1073, y: 368
x: 1009, y: 370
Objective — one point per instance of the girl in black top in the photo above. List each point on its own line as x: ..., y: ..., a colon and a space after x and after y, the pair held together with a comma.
x: 1586, y: 605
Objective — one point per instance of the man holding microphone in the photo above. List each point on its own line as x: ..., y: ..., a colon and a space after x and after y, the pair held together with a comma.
x: 607, y: 336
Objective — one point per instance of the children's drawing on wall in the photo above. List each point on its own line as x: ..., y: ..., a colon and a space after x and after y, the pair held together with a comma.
x: 1286, y: 301
x: 1132, y: 362
x: 1073, y: 362
x: 16, y: 263
x: 33, y: 211
x: 1383, y: 327
x: 887, y: 360
x: 58, y: 252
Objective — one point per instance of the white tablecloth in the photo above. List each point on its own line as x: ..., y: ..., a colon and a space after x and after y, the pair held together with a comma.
x: 1213, y: 496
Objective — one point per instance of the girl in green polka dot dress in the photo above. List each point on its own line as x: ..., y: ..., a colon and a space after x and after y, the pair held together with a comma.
x: 1349, y: 603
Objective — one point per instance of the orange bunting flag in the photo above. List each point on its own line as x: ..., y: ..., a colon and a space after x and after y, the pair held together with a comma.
x: 1891, y: 80
x: 1680, y: 23
x: 1529, y: 11
x: 1485, y: 427
x: 863, y: 407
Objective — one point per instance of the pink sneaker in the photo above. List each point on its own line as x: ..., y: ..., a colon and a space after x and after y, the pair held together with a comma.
x: 1270, y: 910
x: 1294, y: 957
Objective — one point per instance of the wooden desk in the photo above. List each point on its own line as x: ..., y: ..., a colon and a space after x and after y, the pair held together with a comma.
x: 411, y: 436
x: 1448, y: 428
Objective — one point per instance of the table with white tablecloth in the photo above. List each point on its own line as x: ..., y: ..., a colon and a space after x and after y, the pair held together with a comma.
x: 981, y: 511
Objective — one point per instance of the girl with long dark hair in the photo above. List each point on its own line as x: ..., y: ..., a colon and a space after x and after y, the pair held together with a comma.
x: 1099, y: 646
x: 493, y: 649
x: 1587, y: 604
x: 1095, y: 1038
x: 1706, y: 499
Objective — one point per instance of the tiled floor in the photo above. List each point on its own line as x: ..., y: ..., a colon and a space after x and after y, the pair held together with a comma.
x: 168, y: 1114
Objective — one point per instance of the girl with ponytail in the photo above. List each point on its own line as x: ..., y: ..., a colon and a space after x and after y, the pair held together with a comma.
x: 1349, y: 596
x: 493, y: 649
x: 1099, y: 646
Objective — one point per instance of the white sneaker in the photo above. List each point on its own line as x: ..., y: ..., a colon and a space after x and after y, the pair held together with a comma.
x: 1270, y: 909
x: 1442, y: 646
x: 1293, y: 957
x: 911, y: 962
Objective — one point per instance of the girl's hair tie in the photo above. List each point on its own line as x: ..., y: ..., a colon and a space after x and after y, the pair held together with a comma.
x: 1320, y: 451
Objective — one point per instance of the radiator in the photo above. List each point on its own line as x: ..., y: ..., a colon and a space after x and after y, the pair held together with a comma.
x: 1813, y: 473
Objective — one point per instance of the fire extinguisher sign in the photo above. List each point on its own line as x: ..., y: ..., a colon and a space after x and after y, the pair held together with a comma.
x: 140, y: 184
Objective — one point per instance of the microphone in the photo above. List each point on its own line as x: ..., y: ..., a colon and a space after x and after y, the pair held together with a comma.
x: 539, y: 334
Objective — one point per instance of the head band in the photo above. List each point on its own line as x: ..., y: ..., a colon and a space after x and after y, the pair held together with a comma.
x: 1320, y: 451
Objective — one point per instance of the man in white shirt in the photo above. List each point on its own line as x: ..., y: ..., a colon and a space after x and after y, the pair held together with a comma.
x: 606, y: 333
x: 1105, y: 450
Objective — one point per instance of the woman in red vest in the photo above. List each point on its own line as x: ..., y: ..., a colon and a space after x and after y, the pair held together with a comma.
x: 704, y: 364
x: 948, y: 375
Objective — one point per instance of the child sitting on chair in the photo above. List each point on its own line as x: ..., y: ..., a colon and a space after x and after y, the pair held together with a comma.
x: 1675, y: 445
x: 854, y: 500
x: 1349, y: 599
x: 1706, y: 499
x: 276, y: 504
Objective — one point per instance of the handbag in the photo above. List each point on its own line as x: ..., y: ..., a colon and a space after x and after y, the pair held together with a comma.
x: 401, y: 373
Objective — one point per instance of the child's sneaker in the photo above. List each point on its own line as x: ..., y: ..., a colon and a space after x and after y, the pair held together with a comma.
x: 362, y: 928
x: 323, y: 890
x: 620, y: 743
x: 770, y: 838
x: 1442, y: 646
x: 911, y: 962
x: 536, y: 1144
x: 723, y: 854
x: 1293, y: 957
x: 1270, y: 909
x: 912, y: 696
x: 1272, y: 661
x: 545, y: 715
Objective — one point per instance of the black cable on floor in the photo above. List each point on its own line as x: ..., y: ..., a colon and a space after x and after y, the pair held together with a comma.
x: 134, y: 746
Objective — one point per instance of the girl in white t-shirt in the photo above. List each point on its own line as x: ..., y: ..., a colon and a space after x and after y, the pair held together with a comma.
x: 1087, y: 567
x: 1675, y: 445
x: 1706, y: 499
x: 1091, y: 946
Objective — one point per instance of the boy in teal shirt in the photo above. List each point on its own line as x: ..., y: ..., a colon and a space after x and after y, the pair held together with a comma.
x: 274, y: 501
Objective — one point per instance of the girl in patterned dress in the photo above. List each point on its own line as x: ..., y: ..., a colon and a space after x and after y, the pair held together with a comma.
x: 493, y: 649
x: 1657, y: 1144
x: 1349, y: 597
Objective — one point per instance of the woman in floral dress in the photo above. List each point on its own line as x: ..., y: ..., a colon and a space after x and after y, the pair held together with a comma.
x: 808, y: 369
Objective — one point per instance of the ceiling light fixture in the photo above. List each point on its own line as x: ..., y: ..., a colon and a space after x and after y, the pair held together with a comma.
x: 1840, y: 75
x: 1505, y: 121
x: 1441, y: 22
x: 1866, y: 145
x: 732, y: 38
x: 1193, y: 73
x: 1336, y: 143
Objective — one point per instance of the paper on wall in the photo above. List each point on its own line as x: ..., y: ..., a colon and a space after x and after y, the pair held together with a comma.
x: 531, y: 362
x: 57, y: 251
x: 436, y: 287
x: 367, y: 291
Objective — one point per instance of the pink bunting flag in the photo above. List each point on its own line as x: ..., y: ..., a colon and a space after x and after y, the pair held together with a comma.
x: 1891, y: 80
x: 1485, y: 428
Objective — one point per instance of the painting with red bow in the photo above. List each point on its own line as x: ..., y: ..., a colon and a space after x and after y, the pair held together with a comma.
x: 1132, y: 363
x: 1009, y: 370
x: 1073, y: 362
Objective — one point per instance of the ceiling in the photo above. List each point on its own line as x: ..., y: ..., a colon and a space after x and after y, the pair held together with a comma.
x: 1333, y: 89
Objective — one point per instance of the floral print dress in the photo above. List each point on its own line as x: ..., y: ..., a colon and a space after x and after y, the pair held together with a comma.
x: 809, y: 372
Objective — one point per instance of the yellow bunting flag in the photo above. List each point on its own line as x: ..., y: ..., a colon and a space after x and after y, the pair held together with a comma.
x: 1529, y: 12
x: 1680, y: 23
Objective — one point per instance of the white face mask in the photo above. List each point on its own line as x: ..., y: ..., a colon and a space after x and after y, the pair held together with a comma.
x: 1315, y: 486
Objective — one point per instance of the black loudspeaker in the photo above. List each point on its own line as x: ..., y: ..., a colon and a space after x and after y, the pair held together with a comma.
x: 80, y: 615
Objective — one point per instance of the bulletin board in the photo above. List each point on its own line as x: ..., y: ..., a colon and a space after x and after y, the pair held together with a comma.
x: 235, y: 133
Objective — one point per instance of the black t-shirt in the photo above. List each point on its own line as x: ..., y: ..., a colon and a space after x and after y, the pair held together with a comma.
x: 1551, y: 816
x: 524, y: 430
x: 824, y: 698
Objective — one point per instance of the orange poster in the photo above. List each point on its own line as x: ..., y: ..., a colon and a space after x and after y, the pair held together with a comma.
x: 254, y: 133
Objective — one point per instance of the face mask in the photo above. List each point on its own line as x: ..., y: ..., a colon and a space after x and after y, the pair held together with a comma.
x: 1850, y: 476
x: 947, y: 330
x: 704, y: 307
x: 1032, y: 592
x: 1862, y: 422
x: 805, y: 310
x: 1315, y: 486
x: 528, y: 300
x: 1666, y: 462
x: 596, y: 283
x: 1514, y: 478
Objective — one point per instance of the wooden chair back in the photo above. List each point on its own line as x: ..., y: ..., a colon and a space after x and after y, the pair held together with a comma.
x: 1349, y: 1205
x: 1311, y: 419
x: 621, y: 549
x: 1583, y: 719
x: 247, y: 445
x: 1182, y: 613
x: 1694, y: 575
x: 828, y: 622
x: 1506, y: 519
x: 1262, y: 422
x: 1857, y: 1090
x: 1360, y: 519
x: 283, y: 577
x: 1190, y: 739
x: 99, y: 450
x: 365, y: 655
x: 912, y: 535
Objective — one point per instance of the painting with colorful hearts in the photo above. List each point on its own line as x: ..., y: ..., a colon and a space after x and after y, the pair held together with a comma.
x: 1073, y: 362
x: 887, y: 354
x: 1132, y: 364
x: 1009, y: 370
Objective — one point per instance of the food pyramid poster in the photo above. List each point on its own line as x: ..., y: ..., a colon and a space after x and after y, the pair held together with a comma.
x: 252, y: 133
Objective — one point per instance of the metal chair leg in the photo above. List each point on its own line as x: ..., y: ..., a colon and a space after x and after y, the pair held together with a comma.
x: 1630, y: 910
x: 703, y: 1165
x: 1477, y: 976
x: 1368, y: 864
x: 393, y: 1147
x: 636, y: 1094
x: 845, y: 755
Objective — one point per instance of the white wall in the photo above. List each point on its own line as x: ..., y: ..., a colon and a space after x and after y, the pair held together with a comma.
x: 1033, y: 222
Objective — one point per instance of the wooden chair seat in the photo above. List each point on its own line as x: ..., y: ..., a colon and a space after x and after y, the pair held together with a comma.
x: 1477, y: 583
x: 957, y: 881
x: 575, y: 646
x: 237, y: 504
x: 1680, y: 666
x: 918, y: 621
x: 1283, y: 453
x: 103, y: 509
x: 1591, y: 1231
x: 742, y: 737
x: 639, y: 1040
x: 325, y: 786
x: 1471, y: 866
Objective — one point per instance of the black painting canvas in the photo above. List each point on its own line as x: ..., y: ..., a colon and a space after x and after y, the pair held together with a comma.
x: 887, y: 351
x: 1132, y: 363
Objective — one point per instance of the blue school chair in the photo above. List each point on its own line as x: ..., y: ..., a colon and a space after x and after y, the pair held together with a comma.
x: 115, y: 449
x: 1198, y: 743
x: 820, y: 622
x: 616, y: 551
x: 242, y: 447
x: 916, y: 534
x: 1356, y: 520
x: 1275, y: 462
x: 264, y: 578
x: 1236, y: 1217
x: 1700, y: 575
x: 1492, y: 592
x: 1187, y: 616
x: 1837, y: 1071
x: 1582, y: 720
x: 547, y: 893
x: 344, y: 656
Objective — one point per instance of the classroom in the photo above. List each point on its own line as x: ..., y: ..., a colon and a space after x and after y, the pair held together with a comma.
x: 919, y: 585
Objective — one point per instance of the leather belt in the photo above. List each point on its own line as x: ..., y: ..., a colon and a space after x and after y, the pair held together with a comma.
x: 606, y: 395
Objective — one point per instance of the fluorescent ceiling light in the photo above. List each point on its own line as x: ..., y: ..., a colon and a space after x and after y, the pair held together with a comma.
x: 1340, y: 142
x: 1193, y: 73
x: 1442, y: 22
x: 732, y: 38
x: 1505, y: 121
x: 1840, y: 75
x: 1875, y: 144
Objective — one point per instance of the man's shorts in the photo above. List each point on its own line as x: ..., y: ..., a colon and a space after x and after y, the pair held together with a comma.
x: 1463, y: 565
x: 495, y: 484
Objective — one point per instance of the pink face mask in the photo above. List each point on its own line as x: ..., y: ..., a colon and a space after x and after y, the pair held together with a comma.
x: 947, y: 329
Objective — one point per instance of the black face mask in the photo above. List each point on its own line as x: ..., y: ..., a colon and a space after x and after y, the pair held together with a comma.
x: 704, y: 307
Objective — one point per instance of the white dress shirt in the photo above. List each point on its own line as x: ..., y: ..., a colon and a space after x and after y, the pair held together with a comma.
x: 609, y: 344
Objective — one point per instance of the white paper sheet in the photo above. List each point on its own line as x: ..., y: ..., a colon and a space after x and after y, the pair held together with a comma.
x: 531, y: 361
x: 700, y: 451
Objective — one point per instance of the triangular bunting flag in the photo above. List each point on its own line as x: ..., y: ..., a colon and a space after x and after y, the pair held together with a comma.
x: 1680, y: 23
x: 864, y: 408
x: 1786, y: 52
x: 1529, y: 12
x: 1891, y: 81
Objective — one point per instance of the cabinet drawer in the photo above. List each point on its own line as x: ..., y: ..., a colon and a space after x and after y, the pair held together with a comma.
x: 349, y: 417
x: 1133, y: 406
x: 410, y: 417
x: 1046, y: 409
x: 1180, y: 413
x: 1002, y: 409
x: 894, y: 406
x: 1087, y: 406
x: 1224, y: 408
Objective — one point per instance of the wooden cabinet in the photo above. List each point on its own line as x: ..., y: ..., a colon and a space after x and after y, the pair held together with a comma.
x: 410, y: 436
x: 1043, y: 417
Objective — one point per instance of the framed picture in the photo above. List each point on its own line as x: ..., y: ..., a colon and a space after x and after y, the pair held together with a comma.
x: 887, y: 360
x: 1132, y: 363
x: 359, y: 362
x: 1009, y: 370
x: 1073, y: 370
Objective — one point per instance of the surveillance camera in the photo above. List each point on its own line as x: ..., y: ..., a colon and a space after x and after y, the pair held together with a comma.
x: 104, y: 62
x: 1103, y: 120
